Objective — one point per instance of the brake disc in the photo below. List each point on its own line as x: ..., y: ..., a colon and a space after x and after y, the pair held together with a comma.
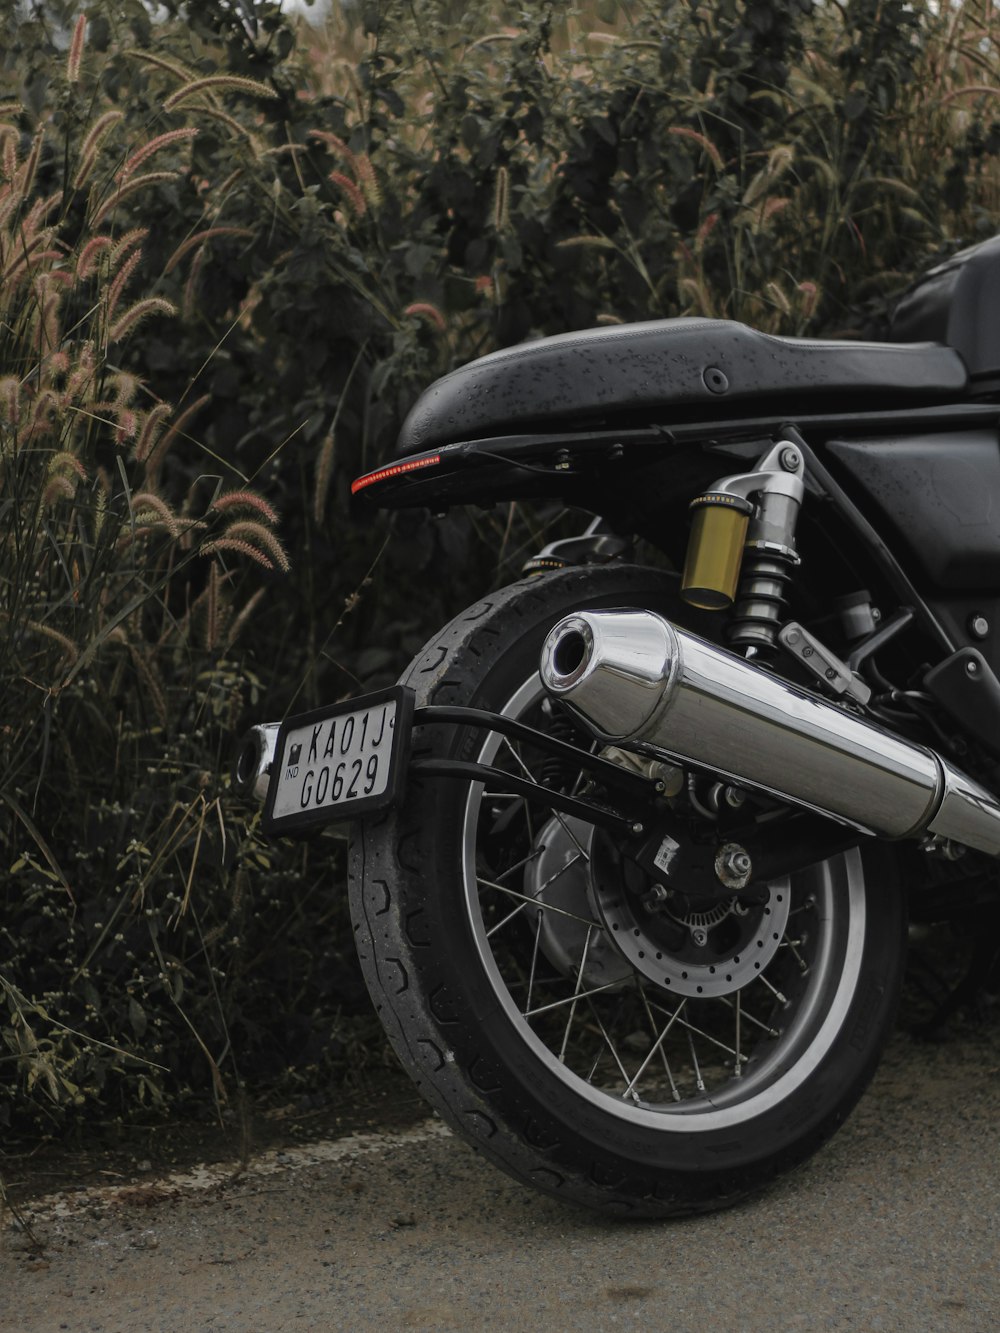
x: 708, y: 948
x: 597, y: 919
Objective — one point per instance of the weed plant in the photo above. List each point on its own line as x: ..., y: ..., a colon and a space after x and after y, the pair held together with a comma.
x: 234, y: 248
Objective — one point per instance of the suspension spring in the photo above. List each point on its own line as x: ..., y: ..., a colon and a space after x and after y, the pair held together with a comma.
x: 760, y: 603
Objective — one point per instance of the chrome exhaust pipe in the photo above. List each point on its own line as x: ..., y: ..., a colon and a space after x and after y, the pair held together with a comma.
x: 253, y: 760
x: 643, y: 683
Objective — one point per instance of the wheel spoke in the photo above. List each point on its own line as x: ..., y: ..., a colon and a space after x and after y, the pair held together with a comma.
x: 535, y: 897
x: 773, y: 989
x: 675, y: 1017
x: 706, y: 1036
x: 611, y: 1047
x: 699, y: 1082
x: 570, y: 999
x: 675, y: 1092
x: 747, y: 1017
x: 534, y: 902
x: 576, y: 995
x: 534, y: 959
x: 793, y: 946
x: 556, y: 813
x: 738, y: 1006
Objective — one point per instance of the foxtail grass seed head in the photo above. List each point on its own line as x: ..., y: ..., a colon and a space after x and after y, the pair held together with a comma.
x: 56, y: 489
x: 91, y: 145
x: 128, y: 424
x: 221, y: 544
x: 244, y: 500
x: 125, y: 386
x: 149, y: 509
x: 55, y: 636
x: 63, y: 462
x: 8, y: 165
x: 364, y: 170
x: 336, y: 145
x: 352, y: 193
x: 126, y: 323
x: 90, y: 256
x: 592, y: 242
x: 779, y: 298
x: 702, y: 140
x: 219, y: 83
x: 430, y: 313
x: 150, y: 432
x: 10, y: 399
x: 143, y: 154
x: 501, y: 201
x: 808, y: 297
x: 121, y: 281
x: 249, y: 530
x: 324, y: 474
x: 161, y: 446
x: 23, y: 178
x: 76, y: 50
x: 189, y: 295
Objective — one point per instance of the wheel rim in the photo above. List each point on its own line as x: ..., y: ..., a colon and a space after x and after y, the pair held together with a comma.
x: 630, y: 1046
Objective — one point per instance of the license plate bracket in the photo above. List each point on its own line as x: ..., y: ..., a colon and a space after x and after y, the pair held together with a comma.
x: 340, y: 762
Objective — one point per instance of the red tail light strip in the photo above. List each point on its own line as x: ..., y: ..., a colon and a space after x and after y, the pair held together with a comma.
x: 395, y: 470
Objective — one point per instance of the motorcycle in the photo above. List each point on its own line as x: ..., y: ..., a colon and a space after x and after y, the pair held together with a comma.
x: 635, y: 844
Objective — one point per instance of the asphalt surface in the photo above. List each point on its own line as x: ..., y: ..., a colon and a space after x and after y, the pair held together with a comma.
x: 892, y: 1226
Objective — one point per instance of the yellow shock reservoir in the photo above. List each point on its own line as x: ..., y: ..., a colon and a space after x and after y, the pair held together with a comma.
x: 715, y: 549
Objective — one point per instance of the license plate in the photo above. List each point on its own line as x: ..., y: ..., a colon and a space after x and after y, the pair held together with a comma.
x: 339, y: 762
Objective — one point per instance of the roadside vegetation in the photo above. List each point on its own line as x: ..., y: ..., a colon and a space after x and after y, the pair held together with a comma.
x: 233, y: 248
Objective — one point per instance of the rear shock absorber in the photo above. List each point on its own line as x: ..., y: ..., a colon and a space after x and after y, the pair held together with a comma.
x: 752, y: 518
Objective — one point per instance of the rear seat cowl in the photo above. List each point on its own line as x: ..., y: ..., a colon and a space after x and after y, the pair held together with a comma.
x: 663, y: 364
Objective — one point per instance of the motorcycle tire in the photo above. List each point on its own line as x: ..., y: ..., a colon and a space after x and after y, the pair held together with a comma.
x: 672, y: 1076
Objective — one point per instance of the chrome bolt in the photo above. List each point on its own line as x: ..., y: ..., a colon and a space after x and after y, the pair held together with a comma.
x: 740, y: 863
x: 699, y: 937
x: 979, y: 626
x: 656, y: 897
x: 790, y: 459
x: 972, y: 668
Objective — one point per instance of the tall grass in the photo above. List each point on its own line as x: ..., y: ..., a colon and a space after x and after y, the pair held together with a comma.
x: 121, y: 595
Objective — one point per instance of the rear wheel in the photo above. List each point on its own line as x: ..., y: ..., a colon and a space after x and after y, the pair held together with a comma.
x: 618, y: 1052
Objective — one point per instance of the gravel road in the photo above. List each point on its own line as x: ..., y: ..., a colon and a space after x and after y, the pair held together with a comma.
x: 893, y: 1226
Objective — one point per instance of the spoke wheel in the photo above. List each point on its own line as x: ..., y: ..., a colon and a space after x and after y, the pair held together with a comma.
x: 623, y: 1053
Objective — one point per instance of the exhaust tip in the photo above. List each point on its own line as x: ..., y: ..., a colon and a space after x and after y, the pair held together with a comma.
x: 613, y: 667
x: 566, y: 654
x: 252, y: 761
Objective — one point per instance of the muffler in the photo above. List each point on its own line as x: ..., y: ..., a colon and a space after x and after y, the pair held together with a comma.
x: 644, y: 683
x: 252, y: 764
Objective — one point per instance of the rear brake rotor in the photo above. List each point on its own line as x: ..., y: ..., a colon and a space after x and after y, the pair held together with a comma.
x: 708, y: 949
x: 597, y: 918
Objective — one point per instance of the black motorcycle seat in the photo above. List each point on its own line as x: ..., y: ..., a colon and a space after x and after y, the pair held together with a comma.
x: 711, y: 367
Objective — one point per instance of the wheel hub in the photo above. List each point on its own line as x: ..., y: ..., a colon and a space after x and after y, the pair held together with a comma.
x: 600, y: 925
x: 698, y: 947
